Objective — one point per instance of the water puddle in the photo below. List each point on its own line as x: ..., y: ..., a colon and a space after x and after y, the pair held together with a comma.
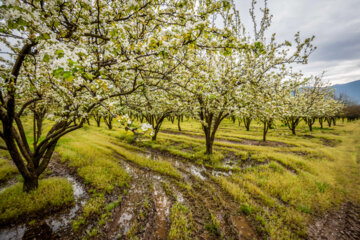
x: 126, y: 215
x: 243, y: 228
x: 216, y: 173
x: 198, y: 171
x: 52, y: 224
x: 162, y: 206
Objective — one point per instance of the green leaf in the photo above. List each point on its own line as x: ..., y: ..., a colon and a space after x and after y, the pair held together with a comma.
x: 45, y: 36
x: 46, y: 58
x: 58, y: 72
x: 67, y: 75
x: 88, y: 76
x: 60, y: 53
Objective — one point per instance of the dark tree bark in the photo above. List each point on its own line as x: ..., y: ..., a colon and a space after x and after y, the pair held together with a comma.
x: 156, y: 121
x: 172, y: 119
x: 292, y: 123
x: 179, y: 119
x: 266, y: 127
x: 329, y: 121
x: 97, y: 118
x: 210, y: 123
x: 247, y: 122
x: 334, y: 121
x: 30, y: 163
x: 310, y: 122
x: 321, y: 121
x: 108, y: 120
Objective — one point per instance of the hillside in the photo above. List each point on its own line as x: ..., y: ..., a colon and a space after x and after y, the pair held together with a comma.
x: 351, y: 89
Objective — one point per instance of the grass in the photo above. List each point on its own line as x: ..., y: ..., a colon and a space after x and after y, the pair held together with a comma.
x: 95, y: 164
x: 53, y: 193
x: 7, y: 170
x: 161, y: 167
x: 290, y: 187
x: 181, y: 222
x: 91, y: 208
x: 285, y: 188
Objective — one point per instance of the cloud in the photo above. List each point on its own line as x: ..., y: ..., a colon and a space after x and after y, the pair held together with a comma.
x: 335, y: 24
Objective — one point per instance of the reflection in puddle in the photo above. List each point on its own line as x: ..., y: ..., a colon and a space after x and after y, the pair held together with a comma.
x: 220, y: 173
x: 162, y: 205
x: 127, y: 213
x: 50, y: 225
x: 197, y: 171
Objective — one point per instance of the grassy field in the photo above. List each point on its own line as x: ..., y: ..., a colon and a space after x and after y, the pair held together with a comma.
x: 281, y: 186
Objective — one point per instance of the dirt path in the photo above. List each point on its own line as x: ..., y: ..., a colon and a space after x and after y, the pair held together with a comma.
x: 343, y: 224
x: 145, y: 209
x: 209, y: 205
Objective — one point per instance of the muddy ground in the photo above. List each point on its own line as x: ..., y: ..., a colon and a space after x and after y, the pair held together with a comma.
x: 343, y: 224
x: 144, y: 210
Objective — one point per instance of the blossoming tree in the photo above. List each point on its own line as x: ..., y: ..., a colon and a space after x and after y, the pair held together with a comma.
x: 80, y: 54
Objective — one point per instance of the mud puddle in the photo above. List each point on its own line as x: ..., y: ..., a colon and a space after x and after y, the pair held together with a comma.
x: 52, y: 225
x: 202, y: 199
x: 243, y: 229
x: 188, y: 170
x: 162, y: 207
x: 144, y: 211
x: 204, y: 202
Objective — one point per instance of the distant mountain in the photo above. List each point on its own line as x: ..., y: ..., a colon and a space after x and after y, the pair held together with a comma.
x: 351, y: 89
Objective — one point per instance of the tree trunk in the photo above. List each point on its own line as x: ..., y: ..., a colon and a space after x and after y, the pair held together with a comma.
x: 179, y: 127
x: 247, y: 122
x: 30, y: 183
x: 292, y: 123
x: 156, y: 122
x: 265, y: 130
x: 98, y: 120
x: 209, y: 145
x: 310, y: 122
x: 328, y: 121
x: 153, y: 138
x: 108, y: 120
x: 321, y: 121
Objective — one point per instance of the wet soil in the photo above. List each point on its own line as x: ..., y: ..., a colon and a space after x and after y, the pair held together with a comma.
x: 343, y: 224
x: 326, y: 141
x: 206, y: 199
x: 330, y: 142
x: 145, y: 209
x: 53, y: 224
x: 243, y: 141
x: 232, y: 160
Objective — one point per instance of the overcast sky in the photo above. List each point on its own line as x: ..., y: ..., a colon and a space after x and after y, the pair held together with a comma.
x: 335, y: 24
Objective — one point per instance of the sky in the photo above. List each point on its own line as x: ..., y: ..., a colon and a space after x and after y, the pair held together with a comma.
x: 335, y: 24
